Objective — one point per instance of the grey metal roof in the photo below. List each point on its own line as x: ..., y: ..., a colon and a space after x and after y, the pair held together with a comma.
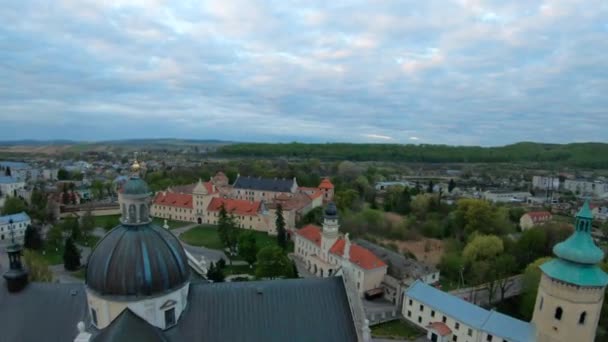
x: 139, y: 260
x: 42, y: 312
x: 311, y: 309
x: 400, y: 266
x: 264, y: 184
x: 128, y: 327
x: 136, y: 186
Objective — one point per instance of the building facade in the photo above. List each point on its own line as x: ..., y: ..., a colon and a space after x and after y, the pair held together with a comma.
x: 322, y: 251
x: 10, y: 185
x: 506, y: 196
x: 534, y: 218
x: 545, y: 182
x: 583, y: 187
x: 17, y: 223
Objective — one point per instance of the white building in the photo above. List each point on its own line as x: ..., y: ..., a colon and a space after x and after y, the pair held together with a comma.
x: 449, y: 318
x: 10, y: 185
x: 17, y: 222
x: 322, y: 251
x: 506, y: 196
x: 545, y: 182
x: 584, y: 187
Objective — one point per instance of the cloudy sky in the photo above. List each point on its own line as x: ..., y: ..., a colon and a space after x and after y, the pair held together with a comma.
x: 451, y: 72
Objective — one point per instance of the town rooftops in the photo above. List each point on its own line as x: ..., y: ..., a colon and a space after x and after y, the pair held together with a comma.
x: 265, y: 184
x: 441, y: 328
x: 173, y: 199
x: 326, y: 184
x: 359, y: 256
x: 14, y: 165
x: 539, y: 215
x: 400, y: 266
x: 235, y: 206
x: 8, y: 180
x: 20, y: 217
x: 491, y: 322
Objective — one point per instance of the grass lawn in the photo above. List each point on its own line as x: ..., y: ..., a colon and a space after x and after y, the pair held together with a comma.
x: 80, y: 274
x: 89, y: 241
x: 207, y: 236
x: 240, y: 269
x: 397, y: 329
x: 172, y: 223
x: 107, y: 222
x: 52, y: 257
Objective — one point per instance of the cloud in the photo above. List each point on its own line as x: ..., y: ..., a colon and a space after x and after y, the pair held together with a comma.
x: 453, y: 72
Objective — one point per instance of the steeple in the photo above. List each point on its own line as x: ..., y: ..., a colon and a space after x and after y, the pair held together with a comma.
x: 16, y: 276
x: 579, y: 247
x: 134, y: 198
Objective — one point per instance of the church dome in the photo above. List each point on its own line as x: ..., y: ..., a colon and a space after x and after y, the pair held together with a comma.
x: 140, y: 260
x: 579, y: 247
x: 331, y: 211
x: 135, y: 186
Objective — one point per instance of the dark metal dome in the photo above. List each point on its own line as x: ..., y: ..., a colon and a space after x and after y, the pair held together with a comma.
x: 136, y: 186
x: 331, y: 211
x: 142, y: 260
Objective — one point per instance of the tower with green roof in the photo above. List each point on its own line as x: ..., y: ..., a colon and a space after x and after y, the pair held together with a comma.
x: 571, y: 290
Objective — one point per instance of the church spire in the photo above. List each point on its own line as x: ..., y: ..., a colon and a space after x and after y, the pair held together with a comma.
x: 579, y: 247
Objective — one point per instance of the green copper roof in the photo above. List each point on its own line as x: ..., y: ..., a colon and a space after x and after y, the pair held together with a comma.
x: 585, y: 211
x: 579, y: 247
x: 573, y: 273
x: 136, y: 186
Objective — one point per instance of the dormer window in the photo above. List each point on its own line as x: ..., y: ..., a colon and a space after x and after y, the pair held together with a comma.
x: 169, y: 318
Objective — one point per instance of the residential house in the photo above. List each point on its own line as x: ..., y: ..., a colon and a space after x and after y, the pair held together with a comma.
x: 534, y: 218
x: 17, y: 223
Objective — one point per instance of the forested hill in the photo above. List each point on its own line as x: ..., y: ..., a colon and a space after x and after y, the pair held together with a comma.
x: 590, y: 155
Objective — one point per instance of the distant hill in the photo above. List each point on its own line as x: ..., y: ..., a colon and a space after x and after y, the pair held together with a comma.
x: 590, y: 155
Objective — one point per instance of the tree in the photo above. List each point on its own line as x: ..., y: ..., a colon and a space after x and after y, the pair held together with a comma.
x: 248, y: 248
x: 530, y: 282
x: 345, y: 199
x: 273, y: 263
x: 54, y: 237
x: 71, y: 255
x: 215, y: 273
x: 429, y: 189
x: 13, y: 205
x: 504, y: 266
x: 530, y: 246
x: 314, y: 216
x: 281, y: 232
x: 451, y: 185
x: 38, y: 205
x: 227, y: 230
x: 71, y: 227
x: 482, y: 247
x: 37, y: 267
x: 98, y: 189
x: 63, y: 174
x: 451, y: 266
x: 87, y: 222
x: 421, y: 204
x: 7, y: 172
x: 32, y: 238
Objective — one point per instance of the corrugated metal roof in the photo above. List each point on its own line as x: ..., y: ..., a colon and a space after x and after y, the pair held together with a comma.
x: 128, y: 327
x: 42, y: 312
x: 492, y: 322
x: 311, y: 309
x: 265, y: 184
x: 19, y: 217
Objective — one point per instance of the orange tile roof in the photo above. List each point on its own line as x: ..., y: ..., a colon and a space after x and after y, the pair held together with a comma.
x: 316, y: 194
x: 441, y: 328
x: 173, y: 199
x: 235, y: 206
x: 311, y: 232
x: 358, y: 255
x: 326, y: 184
x: 539, y: 215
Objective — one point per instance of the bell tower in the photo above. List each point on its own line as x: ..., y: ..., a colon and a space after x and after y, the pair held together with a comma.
x: 571, y: 290
x: 330, y: 229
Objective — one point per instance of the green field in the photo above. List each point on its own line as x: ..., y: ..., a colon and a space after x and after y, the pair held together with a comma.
x: 207, y: 236
x: 240, y: 269
x: 397, y: 330
x: 53, y: 257
x: 171, y: 223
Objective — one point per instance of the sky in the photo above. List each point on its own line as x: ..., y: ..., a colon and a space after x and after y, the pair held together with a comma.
x: 461, y: 72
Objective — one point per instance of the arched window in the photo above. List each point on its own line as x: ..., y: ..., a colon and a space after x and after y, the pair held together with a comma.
x: 124, y: 211
x: 581, y: 319
x: 132, y: 213
x: 143, y: 213
x: 558, y: 313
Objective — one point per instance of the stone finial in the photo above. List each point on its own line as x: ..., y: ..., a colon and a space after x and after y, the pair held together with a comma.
x: 165, y: 225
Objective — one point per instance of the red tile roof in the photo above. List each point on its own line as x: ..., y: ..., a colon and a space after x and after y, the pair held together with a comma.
x: 235, y: 206
x: 312, y: 233
x: 173, y: 199
x: 539, y: 215
x: 316, y: 194
x: 326, y: 184
x: 441, y: 328
x: 359, y: 256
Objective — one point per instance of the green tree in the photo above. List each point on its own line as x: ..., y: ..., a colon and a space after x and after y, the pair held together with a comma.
x: 98, y: 189
x: 7, y: 171
x: 248, y: 248
x: 421, y: 205
x: 345, y: 199
x: 71, y: 255
x: 314, y: 216
x: 63, y: 174
x: 530, y: 246
x: 54, y: 237
x: 451, y: 266
x: 32, y: 238
x: 71, y: 227
x: 37, y: 267
x: 429, y: 189
x: 38, y: 205
x: 504, y: 266
x: 13, y: 205
x: 87, y: 222
x: 227, y: 230
x: 482, y: 247
x: 451, y: 185
x: 273, y: 263
x: 280, y: 224
x: 215, y: 273
x: 530, y: 282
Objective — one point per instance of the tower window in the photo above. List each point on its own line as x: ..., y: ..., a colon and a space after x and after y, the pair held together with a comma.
x: 558, y: 313
x: 581, y: 319
x: 169, y: 317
